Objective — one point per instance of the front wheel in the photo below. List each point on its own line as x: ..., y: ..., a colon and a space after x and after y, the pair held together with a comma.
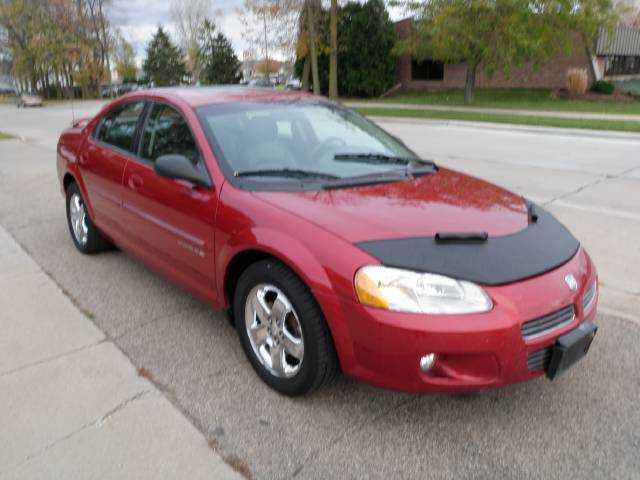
x: 282, y: 330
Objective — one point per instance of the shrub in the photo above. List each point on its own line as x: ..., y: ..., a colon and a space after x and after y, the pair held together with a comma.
x: 577, y: 81
x: 601, y: 86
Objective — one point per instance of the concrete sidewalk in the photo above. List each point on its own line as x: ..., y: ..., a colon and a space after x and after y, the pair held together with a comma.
x: 498, y: 111
x: 71, y: 404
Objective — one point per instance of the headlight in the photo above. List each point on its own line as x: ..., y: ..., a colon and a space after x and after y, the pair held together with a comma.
x: 407, y: 291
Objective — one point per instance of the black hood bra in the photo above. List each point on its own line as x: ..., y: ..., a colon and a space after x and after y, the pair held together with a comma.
x: 543, y: 245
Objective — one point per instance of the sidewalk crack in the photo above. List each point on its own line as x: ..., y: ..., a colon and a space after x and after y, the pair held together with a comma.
x: 600, y: 179
x: 52, y: 358
x: 94, y: 423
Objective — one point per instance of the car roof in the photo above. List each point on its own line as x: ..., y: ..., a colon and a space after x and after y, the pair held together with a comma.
x: 198, y: 96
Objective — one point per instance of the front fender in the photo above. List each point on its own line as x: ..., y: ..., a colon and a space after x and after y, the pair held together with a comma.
x: 290, y: 251
x: 325, y: 262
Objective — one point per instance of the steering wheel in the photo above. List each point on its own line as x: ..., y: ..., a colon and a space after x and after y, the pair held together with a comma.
x: 329, y: 143
x: 270, y: 156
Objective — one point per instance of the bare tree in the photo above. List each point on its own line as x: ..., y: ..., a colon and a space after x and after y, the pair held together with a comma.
x: 628, y: 12
x: 97, y: 21
x: 124, y: 57
x: 58, y: 44
x: 189, y: 16
x: 270, y: 27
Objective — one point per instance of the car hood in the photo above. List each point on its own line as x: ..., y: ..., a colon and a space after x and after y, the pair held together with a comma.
x: 445, y: 201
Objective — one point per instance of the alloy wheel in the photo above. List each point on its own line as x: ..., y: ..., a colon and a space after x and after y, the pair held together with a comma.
x: 274, y: 330
x: 78, y: 219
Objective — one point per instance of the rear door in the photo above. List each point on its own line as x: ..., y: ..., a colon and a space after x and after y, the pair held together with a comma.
x: 103, y: 160
x: 173, y: 220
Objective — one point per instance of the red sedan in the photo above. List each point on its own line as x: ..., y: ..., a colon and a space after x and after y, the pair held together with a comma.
x: 331, y: 243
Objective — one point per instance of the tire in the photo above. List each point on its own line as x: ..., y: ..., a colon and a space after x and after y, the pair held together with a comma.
x: 318, y: 365
x: 90, y: 241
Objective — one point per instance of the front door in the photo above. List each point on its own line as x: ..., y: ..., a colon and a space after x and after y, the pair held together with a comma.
x: 171, y: 219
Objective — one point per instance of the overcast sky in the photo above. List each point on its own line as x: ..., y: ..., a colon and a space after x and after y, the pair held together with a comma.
x: 139, y: 19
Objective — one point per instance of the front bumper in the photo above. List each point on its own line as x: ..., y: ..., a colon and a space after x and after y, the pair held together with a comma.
x: 474, y: 352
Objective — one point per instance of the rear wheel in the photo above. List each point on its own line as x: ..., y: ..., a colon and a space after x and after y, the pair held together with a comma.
x: 84, y: 234
x: 282, y: 329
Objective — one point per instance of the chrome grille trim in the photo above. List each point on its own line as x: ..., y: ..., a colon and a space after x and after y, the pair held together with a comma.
x: 547, y: 323
x: 539, y: 360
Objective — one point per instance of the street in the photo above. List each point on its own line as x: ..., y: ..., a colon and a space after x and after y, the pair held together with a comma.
x: 584, y: 425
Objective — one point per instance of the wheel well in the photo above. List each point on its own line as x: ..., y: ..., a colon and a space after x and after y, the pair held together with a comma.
x: 239, y: 264
x: 67, y: 180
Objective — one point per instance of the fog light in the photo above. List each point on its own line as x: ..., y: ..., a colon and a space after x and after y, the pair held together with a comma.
x: 427, y: 362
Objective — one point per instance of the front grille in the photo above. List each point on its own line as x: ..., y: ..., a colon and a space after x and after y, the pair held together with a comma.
x: 588, y: 297
x: 539, y: 360
x: 541, y: 325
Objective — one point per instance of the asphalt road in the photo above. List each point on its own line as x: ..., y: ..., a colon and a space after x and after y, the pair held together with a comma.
x: 585, y: 425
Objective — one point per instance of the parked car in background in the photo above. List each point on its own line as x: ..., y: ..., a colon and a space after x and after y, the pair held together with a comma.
x: 125, y: 88
x: 117, y: 90
x: 333, y: 244
x: 110, y: 91
x: 7, y: 91
x: 293, y: 84
x: 29, y: 100
x: 260, y: 82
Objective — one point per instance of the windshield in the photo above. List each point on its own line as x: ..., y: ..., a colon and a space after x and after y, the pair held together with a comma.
x: 287, y: 141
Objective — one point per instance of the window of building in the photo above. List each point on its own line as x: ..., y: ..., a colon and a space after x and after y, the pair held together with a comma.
x: 427, y: 70
x: 622, y: 65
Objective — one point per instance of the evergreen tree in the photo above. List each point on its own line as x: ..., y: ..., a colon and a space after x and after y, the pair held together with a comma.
x: 365, y: 41
x: 219, y: 63
x: 164, y: 64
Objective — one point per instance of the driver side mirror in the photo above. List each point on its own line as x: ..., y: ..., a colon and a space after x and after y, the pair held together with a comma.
x: 181, y: 168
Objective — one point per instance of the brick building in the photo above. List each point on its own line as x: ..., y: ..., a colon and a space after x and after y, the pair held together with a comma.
x: 614, y: 57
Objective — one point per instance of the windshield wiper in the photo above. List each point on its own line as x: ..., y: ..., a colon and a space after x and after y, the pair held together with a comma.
x: 374, y: 158
x: 363, y: 180
x: 381, y: 159
x: 287, y: 173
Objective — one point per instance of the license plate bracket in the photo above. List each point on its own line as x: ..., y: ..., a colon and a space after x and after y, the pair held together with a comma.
x: 570, y: 348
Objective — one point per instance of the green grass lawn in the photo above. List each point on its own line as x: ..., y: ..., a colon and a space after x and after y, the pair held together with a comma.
x: 525, y: 99
x: 623, y: 126
x: 631, y: 86
x: 5, y: 136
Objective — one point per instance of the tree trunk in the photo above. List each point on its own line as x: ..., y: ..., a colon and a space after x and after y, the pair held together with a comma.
x: 306, y: 70
x: 105, y: 42
x: 266, y: 44
x: 333, y: 58
x: 313, y: 45
x: 470, y: 83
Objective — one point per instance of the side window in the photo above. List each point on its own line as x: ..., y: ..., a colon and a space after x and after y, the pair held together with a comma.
x: 166, y: 132
x: 118, y: 127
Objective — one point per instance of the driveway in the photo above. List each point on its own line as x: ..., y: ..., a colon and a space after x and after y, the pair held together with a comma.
x: 584, y: 425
